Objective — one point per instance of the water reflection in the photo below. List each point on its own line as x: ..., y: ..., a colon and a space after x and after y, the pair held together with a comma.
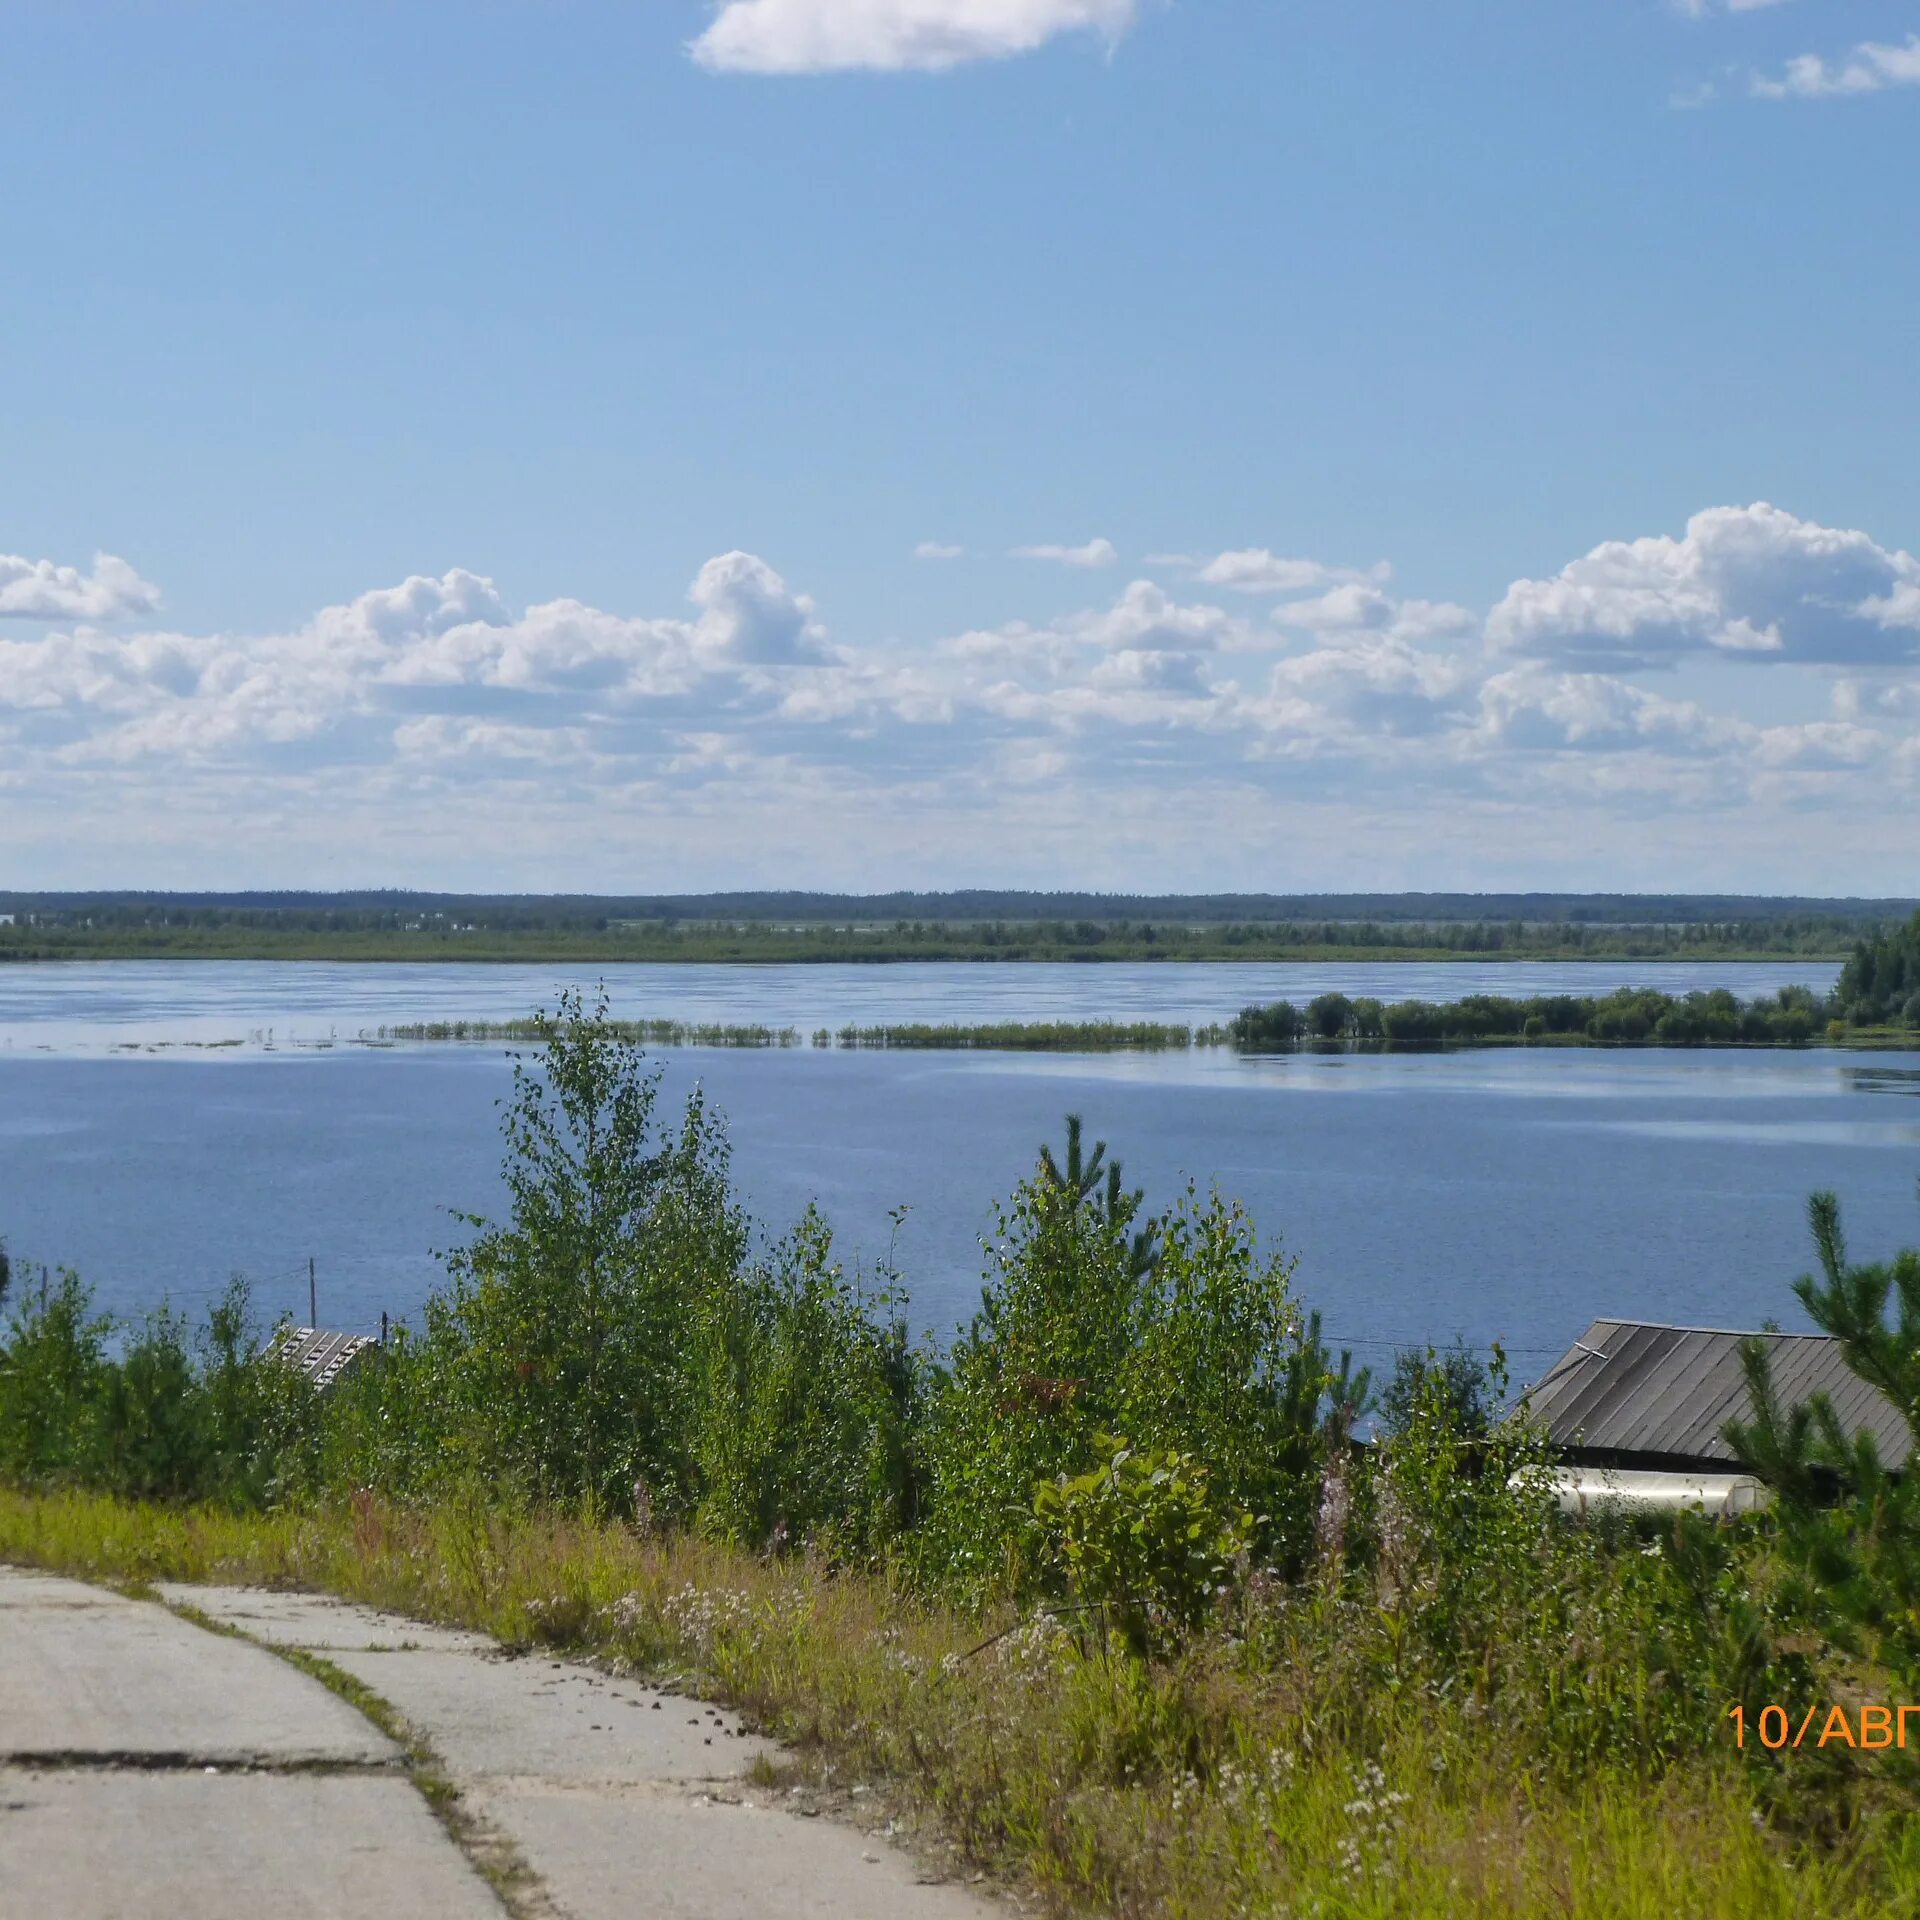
x: 1786, y: 1133
x: 1882, y: 1079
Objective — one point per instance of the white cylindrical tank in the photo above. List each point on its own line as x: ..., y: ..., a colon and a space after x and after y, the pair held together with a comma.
x: 1579, y: 1490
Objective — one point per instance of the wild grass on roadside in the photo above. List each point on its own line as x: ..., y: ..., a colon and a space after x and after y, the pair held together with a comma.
x: 1211, y: 1784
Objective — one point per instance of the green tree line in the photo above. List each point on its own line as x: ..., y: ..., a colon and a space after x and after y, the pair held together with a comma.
x: 971, y: 926
x: 1631, y: 1016
x: 1881, y: 980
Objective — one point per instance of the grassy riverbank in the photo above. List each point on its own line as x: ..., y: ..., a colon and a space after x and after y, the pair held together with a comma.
x: 1249, y: 1774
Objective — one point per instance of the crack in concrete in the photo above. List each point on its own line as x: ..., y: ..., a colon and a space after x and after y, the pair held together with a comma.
x: 490, y: 1852
x: 166, y: 1760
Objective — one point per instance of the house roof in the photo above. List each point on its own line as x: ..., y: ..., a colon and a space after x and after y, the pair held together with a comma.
x: 1627, y: 1387
x: 322, y: 1356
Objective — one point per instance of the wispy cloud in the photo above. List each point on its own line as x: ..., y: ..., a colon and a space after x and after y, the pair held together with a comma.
x: 1260, y: 570
x: 1872, y: 67
x: 829, y: 36
x: 1096, y: 553
x: 937, y: 550
x: 1700, y: 9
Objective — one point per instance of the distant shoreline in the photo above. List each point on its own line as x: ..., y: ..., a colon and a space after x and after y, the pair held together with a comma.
x: 806, y: 949
x: 884, y: 929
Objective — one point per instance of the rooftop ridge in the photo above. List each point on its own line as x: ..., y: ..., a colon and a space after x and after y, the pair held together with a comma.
x: 1731, y: 1333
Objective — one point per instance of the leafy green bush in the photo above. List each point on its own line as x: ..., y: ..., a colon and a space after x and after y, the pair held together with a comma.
x: 1186, y: 1337
x: 164, y: 1417
x: 1141, y: 1543
x: 1270, y: 1028
x: 809, y: 1401
x: 1331, y: 1015
x: 1466, y: 1388
x: 1030, y: 1382
x: 54, y: 1380
x: 1224, y: 1361
x: 561, y: 1349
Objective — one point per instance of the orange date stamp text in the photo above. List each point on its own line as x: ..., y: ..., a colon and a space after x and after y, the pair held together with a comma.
x: 1866, y: 1726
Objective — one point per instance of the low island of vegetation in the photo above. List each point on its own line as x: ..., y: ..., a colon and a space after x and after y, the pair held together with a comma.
x: 1107, y: 1592
x: 1875, y: 1002
x: 1005, y: 1036
x: 1629, y: 1016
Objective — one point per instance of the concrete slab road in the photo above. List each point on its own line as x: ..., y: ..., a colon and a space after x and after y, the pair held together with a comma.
x: 621, y: 1799
x: 151, y: 1769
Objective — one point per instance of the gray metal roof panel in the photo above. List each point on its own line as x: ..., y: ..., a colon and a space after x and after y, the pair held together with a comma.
x: 1637, y: 1387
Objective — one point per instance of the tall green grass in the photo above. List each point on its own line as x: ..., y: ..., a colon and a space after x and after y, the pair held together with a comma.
x: 1255, y: 1773
x: 1011, y: 1036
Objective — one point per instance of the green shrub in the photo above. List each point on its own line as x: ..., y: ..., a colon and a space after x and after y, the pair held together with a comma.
x: 216, y: 1418
x: 1029, y: 1383
x: 1268, y: 1029
x: 808, y: 1404
x: 1143, y: 1548
x: 1330, y: 1015
x: 54, y: 1379
x: 1202, y: 1346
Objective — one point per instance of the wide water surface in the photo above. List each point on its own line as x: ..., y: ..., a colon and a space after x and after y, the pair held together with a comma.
x: 79, y: 1005
x: 1512, y: 1195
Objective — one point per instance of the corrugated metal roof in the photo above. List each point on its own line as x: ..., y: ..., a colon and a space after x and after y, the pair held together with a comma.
x: 1627, y: 1387
x: 322, y: 1356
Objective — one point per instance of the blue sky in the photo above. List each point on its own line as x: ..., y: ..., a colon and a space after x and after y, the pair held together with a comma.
x: 409, y: 363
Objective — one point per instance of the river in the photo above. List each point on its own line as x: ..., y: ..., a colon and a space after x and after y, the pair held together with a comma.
x: 1508, y: 1195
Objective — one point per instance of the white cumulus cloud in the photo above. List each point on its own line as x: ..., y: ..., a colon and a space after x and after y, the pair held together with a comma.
x: 830, y: 36
x: 748, y: 613
x: 1146, y: 620
x: 1375, y: 687
x: 1362, y: 608
x: 1746, y: 581
x: 413, y: 708
x: 1589, y: 713
x: 42, y: 590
